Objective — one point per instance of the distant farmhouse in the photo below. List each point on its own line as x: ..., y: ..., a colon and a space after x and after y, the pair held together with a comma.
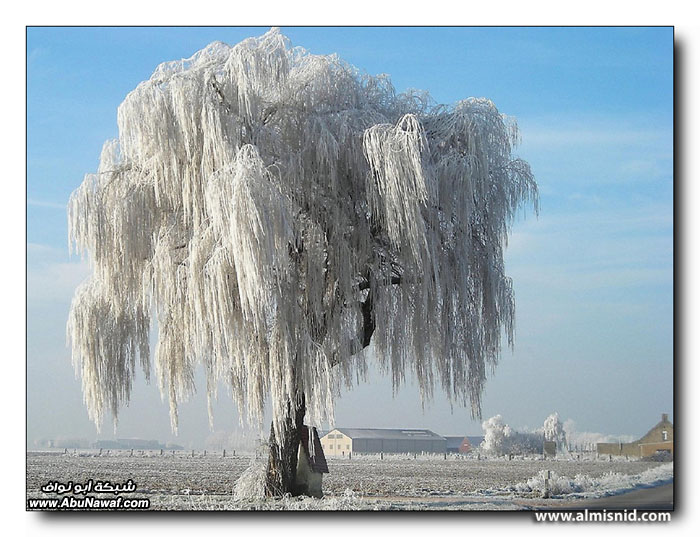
x: 457, y: 444
x: 63, y: 443
x: 475, y: 441
x: 549, y: 448
x: 129, y: 443
x: 658, y: 440
x: 344, y: 441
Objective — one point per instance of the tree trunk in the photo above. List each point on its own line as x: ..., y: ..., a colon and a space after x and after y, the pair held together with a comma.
x: 282, y: 461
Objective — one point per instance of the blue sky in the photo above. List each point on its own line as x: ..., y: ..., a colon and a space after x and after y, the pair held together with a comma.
x: 593, y: 275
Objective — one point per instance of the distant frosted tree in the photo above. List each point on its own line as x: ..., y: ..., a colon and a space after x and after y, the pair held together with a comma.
x: 276, y: 211
x: 501, y: 439
x: 497, y: 434
x: 553, y: 431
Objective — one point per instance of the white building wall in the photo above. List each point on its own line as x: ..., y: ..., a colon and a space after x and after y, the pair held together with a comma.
x: 336, y: 444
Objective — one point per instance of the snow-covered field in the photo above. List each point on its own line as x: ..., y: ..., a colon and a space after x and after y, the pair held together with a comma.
x: 182, y: 482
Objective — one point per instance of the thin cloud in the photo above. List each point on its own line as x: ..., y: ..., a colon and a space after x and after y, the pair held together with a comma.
x: 553, y: 135
x: 55, y: 281
x: 556, y: 133
x: 49, y: 204
x: 51, y: 276
x: 36, y: 54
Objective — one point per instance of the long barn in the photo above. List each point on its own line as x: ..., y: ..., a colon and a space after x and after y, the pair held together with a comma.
x: 342, y: 442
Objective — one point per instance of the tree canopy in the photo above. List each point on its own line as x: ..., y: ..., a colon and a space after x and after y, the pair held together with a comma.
x: 275, y: 211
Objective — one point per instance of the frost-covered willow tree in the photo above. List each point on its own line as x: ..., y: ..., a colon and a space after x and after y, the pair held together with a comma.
x: 276, y: 211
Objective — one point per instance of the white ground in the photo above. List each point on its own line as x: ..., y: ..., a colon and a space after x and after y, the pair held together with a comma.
x: 182, y: 482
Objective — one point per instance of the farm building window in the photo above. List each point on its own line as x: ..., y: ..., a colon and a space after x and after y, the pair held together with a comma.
x: 664, y: 435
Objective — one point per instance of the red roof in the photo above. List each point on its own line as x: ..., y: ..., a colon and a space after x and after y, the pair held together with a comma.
x: 318, y: 461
